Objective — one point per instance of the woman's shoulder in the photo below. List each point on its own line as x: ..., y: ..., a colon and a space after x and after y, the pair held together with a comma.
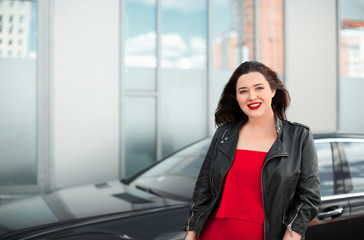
x: 290, y: 124
x: 297, y: 130
x: 221, y: 130
x: 224, y: 128
x: 229, y: 126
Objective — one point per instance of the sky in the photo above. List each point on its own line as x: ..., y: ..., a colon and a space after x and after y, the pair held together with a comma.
x: 352, y: 9
x: 183, y: 22
x: 33, y: 25
x: 183, y: 30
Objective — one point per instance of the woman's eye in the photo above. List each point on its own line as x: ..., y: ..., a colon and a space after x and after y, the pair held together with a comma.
x: 243, y: 91
x: 260, y: 88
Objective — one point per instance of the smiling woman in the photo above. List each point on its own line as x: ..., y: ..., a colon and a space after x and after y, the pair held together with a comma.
x: 256, y: 149
x: 254, y: 94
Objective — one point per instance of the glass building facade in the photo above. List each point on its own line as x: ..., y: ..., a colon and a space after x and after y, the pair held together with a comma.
x: 351, y: 65
x: 178, y: 56
x: 18, y: 93
x: 169, y: 63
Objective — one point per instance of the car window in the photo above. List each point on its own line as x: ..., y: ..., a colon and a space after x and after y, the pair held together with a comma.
x: 355, y: 155
x: 175, y: 177
x: 186, y: 162
x: 326, y: 168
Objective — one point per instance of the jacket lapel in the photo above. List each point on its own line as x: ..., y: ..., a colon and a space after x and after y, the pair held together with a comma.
x: 228, y: 143
x: 277, y: 150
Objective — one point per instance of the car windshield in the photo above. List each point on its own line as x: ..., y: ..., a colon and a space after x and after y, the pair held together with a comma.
x: 175, y: 176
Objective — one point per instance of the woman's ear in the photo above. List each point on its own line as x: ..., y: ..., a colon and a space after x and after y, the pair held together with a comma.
x: 273, y: 93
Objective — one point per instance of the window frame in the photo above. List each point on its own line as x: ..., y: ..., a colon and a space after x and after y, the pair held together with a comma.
x: 338, y: 178
x: 44, y: 102
x: 348, y: 182
x: 334, y: 175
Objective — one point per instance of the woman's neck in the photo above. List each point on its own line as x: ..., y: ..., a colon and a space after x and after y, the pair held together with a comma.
x: 264, y: 123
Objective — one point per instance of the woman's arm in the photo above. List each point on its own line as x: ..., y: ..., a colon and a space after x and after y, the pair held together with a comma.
x: 307, y: 196
x: 191, y: 235
x: 287, y: 236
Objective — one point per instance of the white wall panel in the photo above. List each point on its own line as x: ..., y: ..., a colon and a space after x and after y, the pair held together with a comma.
x: 311, y: 57
x: 86, y: 94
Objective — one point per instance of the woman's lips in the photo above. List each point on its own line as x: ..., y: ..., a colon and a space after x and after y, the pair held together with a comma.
x: 254, y: 106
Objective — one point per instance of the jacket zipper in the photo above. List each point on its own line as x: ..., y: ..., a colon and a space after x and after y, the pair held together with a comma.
x: 213, y: 184
x: 223, y: 135
x: 284, y: 212
x: 285, y: 208
x: 261, y: 184
x: 192, y: 214
x: 289, y: 227
x: 198, y: 219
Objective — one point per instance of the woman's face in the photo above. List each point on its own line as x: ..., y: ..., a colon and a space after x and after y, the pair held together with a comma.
x: 254, y: 95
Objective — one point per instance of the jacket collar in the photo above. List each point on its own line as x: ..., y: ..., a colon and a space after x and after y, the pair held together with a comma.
x: 234, y: 128
x: 278, y: 127
x: 229, y: 141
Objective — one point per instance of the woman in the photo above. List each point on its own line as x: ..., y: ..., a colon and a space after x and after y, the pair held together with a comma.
x: 259, y: 179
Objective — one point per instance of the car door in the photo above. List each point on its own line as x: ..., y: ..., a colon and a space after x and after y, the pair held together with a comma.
x: 333, y: 220
x: 352, y: 155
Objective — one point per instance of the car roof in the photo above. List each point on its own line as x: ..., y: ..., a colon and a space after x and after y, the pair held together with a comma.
x: 338, y: 135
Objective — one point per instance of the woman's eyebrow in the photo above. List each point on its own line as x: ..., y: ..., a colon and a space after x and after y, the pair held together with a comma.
x: 255, y: 85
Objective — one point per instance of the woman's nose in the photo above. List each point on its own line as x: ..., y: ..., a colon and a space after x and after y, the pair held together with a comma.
x: 252, y: 95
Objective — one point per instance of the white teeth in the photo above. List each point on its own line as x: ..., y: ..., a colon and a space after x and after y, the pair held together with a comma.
x: 254, y: 105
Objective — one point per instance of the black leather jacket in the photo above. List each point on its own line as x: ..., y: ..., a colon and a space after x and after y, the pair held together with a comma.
x: 290, y: 183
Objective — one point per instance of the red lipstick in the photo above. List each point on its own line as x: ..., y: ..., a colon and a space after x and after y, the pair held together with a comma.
x: 254, y: 106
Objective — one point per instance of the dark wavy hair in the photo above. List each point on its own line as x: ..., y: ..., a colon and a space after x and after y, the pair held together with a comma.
x: 228, y: 109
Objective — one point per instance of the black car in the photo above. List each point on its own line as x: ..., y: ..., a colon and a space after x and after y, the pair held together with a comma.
x: 153, y: 204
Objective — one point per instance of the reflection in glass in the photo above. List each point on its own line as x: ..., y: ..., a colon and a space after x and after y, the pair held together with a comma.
x: 28, y: 213
x: 18, y: 93
x: 225, y: 54
x: 183, y: 110
x: 140, y: 45
x: 140, y: 133
x: 184, y: 34
x: 183, y: 75
x: 355, y: 155
x: 326, y: 169
x: 352, y: 38
x: 183, y: 166
x: 224, y: 36
x: 13, y: 18
x: 351, y: 65
x: 270, y: 33
x: 247, y: 30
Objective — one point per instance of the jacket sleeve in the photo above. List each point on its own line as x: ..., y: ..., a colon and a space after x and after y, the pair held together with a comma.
x: 307, y: 197
x: 202, y: 194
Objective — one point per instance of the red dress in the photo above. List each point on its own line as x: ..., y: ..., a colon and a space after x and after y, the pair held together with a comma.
x: 240, y: 214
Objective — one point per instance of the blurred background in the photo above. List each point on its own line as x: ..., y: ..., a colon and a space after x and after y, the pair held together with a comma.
x: 94, y: 90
